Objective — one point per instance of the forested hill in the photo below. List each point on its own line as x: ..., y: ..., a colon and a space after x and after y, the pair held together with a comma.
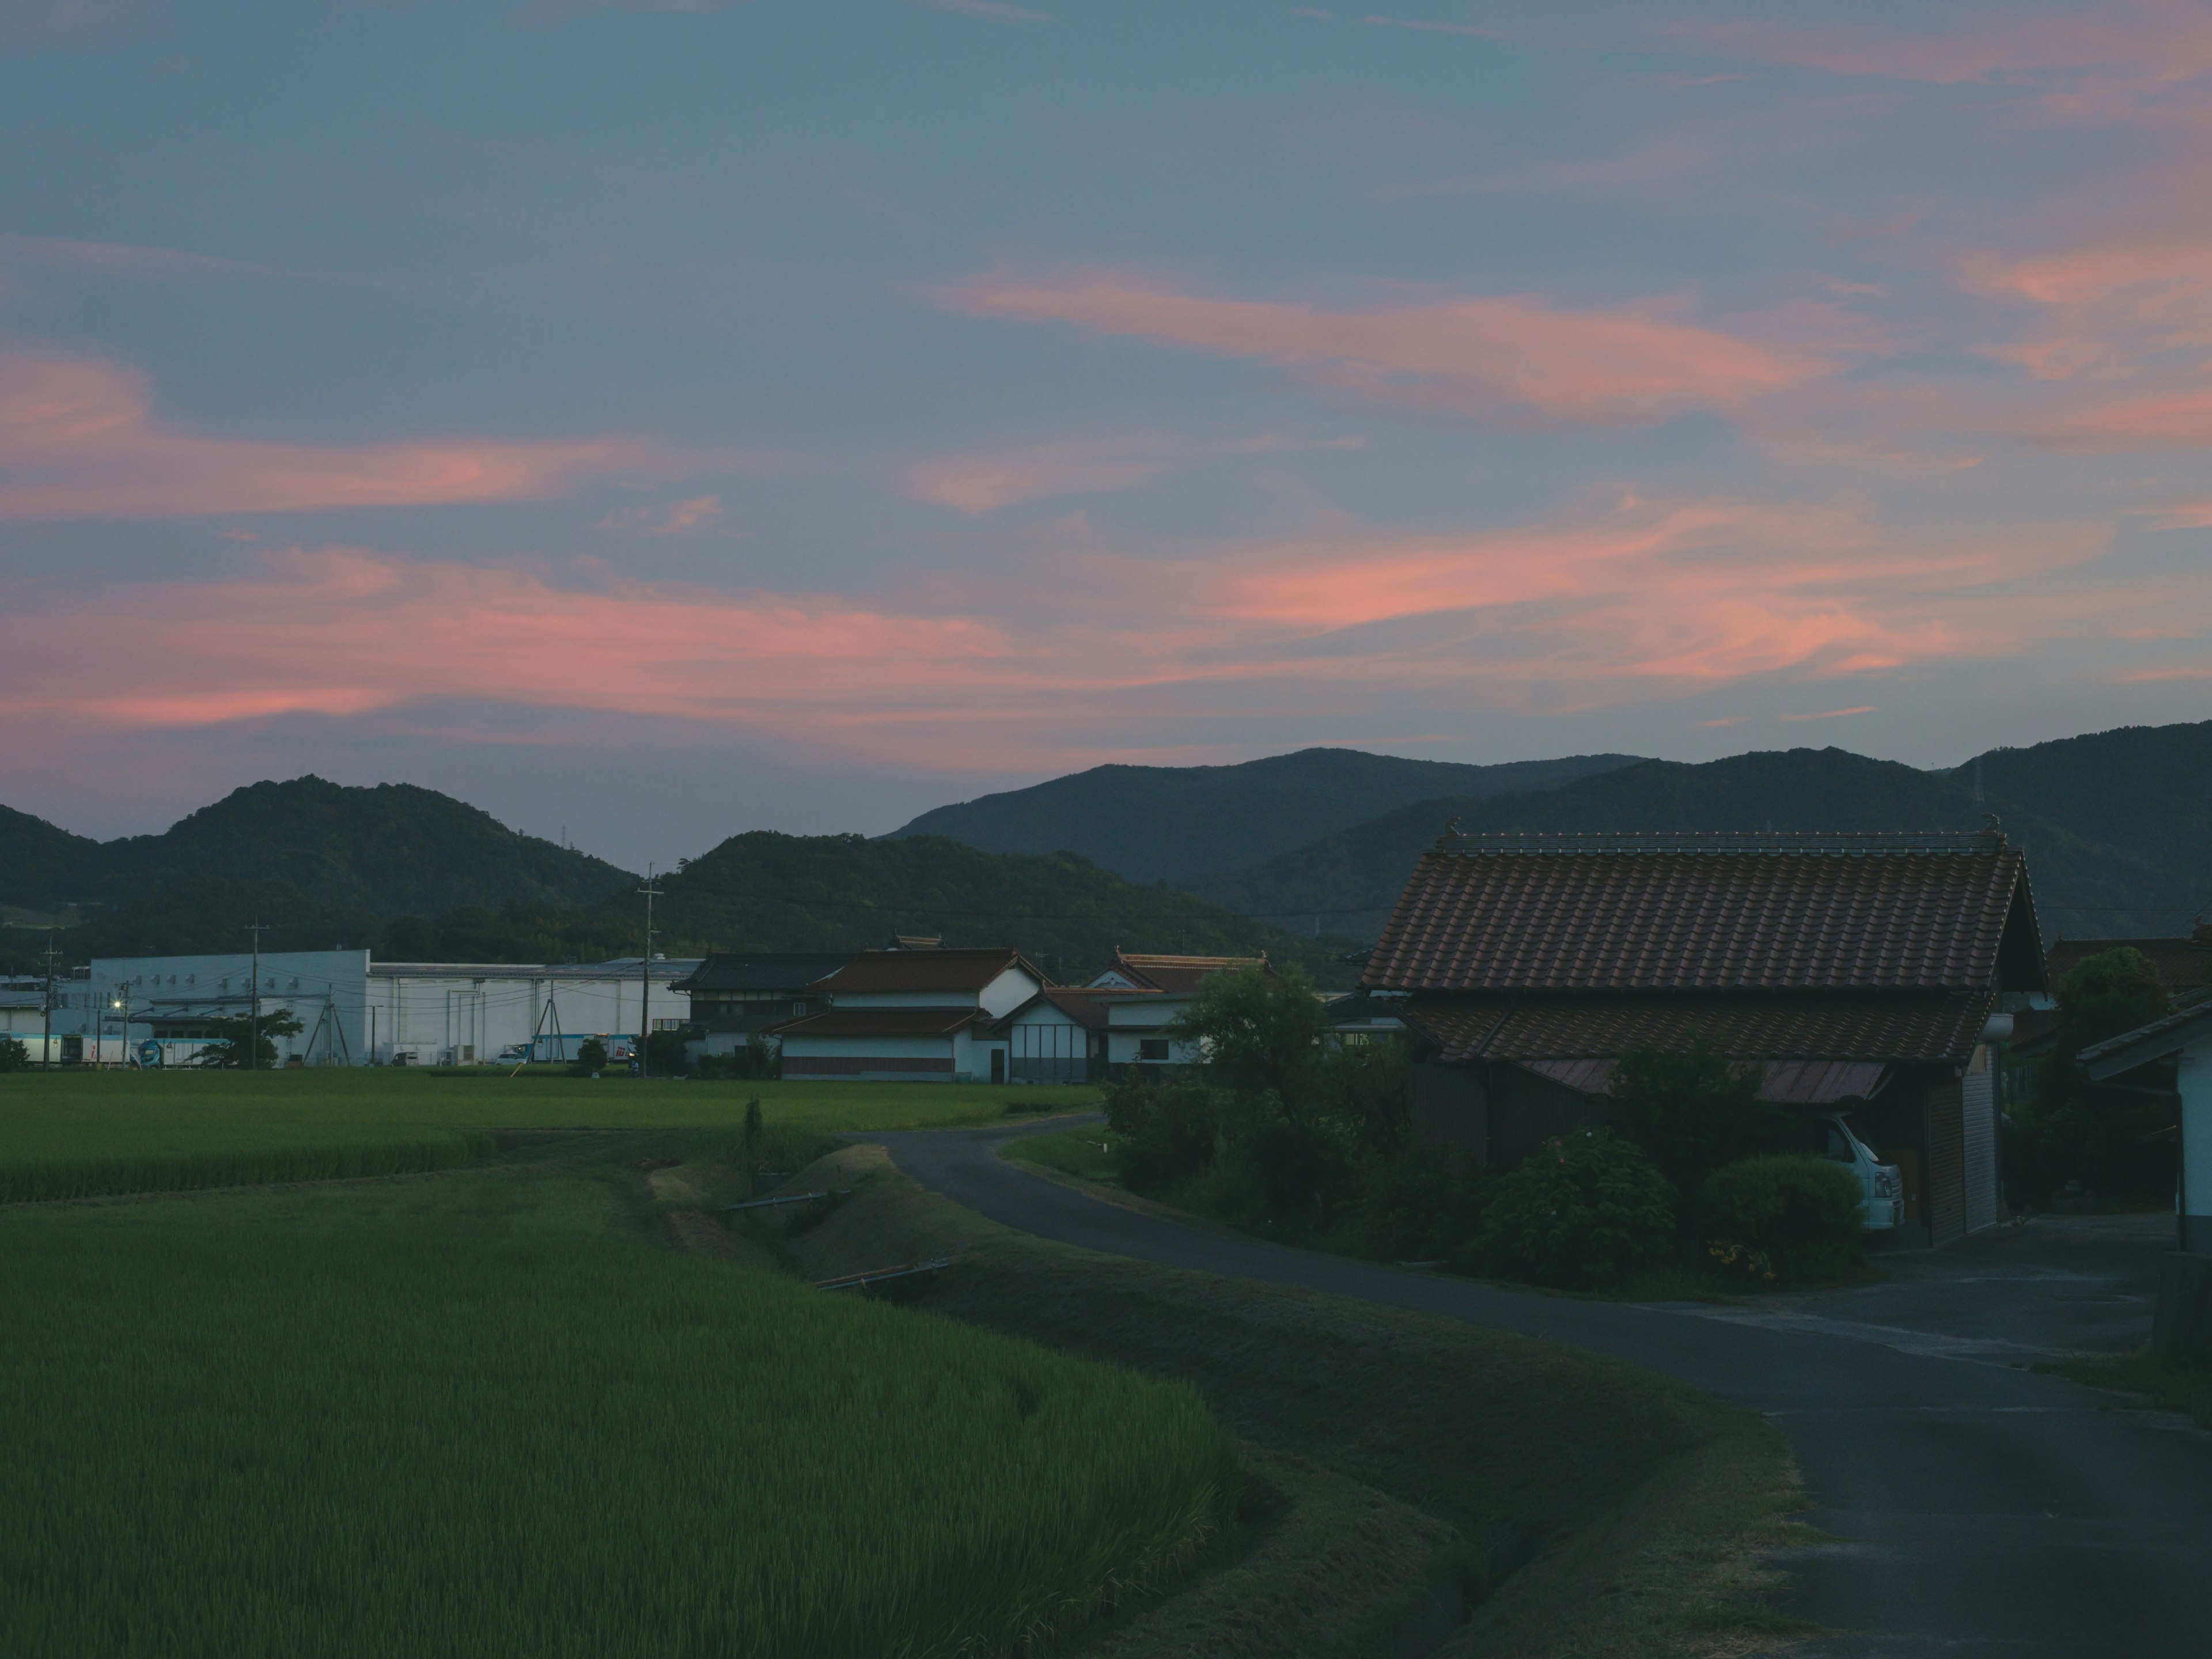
x: 2123, y: 880
x: 1171, y: 822
x: 380, y: 851
x: 762, y: 892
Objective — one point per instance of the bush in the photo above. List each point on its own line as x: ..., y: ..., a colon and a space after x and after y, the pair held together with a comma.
x: 591, y: 1058
x: 1417, y: 1205
x: 1287, y: 1177
x: 14, y: 1056
x: 757, y: 1062
x: 665, y: 1055
x: 1369, y: 1087
x: 1171, y: 1130
x: 1803, y: 1214
x: 1691, y: 1112
x: 1580, y: 1214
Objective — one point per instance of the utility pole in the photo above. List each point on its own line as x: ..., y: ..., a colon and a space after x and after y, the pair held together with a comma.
x: 645, y: 980
x: 253, y: 1028
x: 46, y: 1041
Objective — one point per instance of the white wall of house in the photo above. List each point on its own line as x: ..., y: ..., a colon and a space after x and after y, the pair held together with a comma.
x: 962, y: 1057
x: 1135, y: 1032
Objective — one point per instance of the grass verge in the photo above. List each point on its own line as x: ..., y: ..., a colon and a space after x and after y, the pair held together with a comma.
x: 471, y: 1414
x: 2161, y: 1385
x: 1422, y: 1462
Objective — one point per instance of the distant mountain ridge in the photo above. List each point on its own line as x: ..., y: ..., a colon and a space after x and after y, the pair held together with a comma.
x: 390, y: 848
x: 1174, y: 823
x: 2099, y: 865
x: 764, y: 892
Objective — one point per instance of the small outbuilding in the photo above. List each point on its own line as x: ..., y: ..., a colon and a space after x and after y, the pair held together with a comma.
x: 1870, y: 972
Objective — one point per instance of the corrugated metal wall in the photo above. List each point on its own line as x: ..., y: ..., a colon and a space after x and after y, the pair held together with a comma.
x: 1947, y: 1165
x: 1978, y: 1126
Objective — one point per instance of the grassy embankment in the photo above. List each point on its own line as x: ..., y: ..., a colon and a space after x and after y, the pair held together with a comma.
x: 2164, y: 1385
x: 1415, y: 1484
x: 81, y: 1135
x: 478, y: 1413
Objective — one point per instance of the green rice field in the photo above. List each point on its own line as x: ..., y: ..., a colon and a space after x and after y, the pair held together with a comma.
x: 482, y: 1415
x: 78, y: 1135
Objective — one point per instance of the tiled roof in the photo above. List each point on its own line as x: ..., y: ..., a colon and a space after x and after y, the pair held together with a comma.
x: 925, y: 970
x: 881, y: 1023
x: 2160, y: 1040
x: 1942, y: 1025
x: 765, y: 971
x: 1180, y: 974
x: 1709, y: 913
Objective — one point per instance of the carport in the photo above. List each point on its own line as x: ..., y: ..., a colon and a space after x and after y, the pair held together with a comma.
x: 2183, y: 1326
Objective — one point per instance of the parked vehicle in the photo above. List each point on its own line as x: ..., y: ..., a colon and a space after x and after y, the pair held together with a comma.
x: 1882, y: 1183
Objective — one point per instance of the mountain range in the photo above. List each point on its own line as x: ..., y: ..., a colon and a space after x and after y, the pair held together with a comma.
x: 1301, y: 855
x: 1172, y: 823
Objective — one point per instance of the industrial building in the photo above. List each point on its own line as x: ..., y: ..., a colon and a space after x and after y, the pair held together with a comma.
x: 354, y: 1011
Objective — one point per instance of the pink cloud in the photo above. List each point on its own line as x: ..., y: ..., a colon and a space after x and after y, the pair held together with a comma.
x: 983, y: 481
x: 1833, y: 713
x: 1496, y: 357
x: 78, y: 438
x: 1643, y: 599
x: 2155, y: 40
x: 2179, y: 421
x: 672, y: 521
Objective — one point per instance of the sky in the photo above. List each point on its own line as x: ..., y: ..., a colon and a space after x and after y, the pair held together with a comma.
x: 654, y: 421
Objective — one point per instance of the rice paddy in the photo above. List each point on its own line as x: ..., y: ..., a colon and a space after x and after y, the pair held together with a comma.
x: 82, y: 1134
x: 479, y: 1414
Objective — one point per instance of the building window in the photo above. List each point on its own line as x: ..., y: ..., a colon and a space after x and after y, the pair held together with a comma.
x: 1151, y: 1048
x: 668, y: 1026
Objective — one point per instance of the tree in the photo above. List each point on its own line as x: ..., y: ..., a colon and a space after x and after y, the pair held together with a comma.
x: 14, y: 1056
x: 1691, y: 1112
x: 2111, y: 992
x: 233, y: 1040
x: 1260, y: 1032
x: 2116, y: 1141
x: 591, y: 1059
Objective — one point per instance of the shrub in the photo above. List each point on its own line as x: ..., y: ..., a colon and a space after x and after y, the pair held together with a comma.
x: 665, y: 1054
x: 1580, y: 1214
x: 1369, y: 1087
x: 14, y: 1056
x: 1691, y: 1112
x: 591, y: 1057
x: 1288, y: 1177
x: 1803, y: 1214
x: 1170, y: 1130
x: 1416, y: 1206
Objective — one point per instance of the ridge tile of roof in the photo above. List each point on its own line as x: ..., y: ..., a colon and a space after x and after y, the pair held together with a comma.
x: 1747, y: 914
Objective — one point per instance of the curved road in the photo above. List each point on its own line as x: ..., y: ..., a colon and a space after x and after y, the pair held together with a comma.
x: 1982, y: 1509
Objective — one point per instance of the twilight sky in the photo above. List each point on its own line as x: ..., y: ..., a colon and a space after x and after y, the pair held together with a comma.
x: 669, y: 420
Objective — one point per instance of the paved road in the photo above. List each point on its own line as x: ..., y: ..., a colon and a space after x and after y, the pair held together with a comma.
x: 1983, y: 1510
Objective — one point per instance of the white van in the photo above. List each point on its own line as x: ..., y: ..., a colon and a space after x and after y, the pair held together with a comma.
x: 1882, y: 1183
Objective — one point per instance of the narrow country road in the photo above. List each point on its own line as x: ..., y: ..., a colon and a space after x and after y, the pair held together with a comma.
x: 1982, y: 1509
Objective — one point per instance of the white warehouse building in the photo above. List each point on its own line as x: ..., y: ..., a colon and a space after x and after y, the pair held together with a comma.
x: 353, y: 1011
